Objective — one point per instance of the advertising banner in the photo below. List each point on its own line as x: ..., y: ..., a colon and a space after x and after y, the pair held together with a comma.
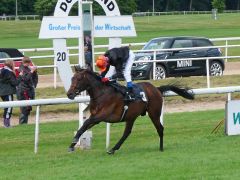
x: 232, y: 124
x: 60, y: 27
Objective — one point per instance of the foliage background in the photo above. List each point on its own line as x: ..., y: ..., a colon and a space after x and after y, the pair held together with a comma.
x: 45, y: 7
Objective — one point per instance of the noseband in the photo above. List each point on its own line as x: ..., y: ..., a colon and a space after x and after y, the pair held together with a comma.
x: 92, y: 85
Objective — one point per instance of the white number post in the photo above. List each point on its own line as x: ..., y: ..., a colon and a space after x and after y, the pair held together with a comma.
x: 61, y: 27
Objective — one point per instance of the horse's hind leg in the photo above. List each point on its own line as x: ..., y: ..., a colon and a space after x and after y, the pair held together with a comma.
x: 127, y: 132
x: 155, y: 117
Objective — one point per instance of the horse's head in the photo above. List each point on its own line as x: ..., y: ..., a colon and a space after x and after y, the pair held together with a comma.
x: 80, y: 82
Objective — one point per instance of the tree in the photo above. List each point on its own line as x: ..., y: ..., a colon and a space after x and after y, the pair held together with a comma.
x: 233, y: 4
x: 7, y: 7
x: 26, y: 7
x: 45, y: 7
x: 219, y: 5
x: 127, y: 7
x: 190, y: 5
x: 167, y: 5
x: 203, y: 5
x: 143, y: 6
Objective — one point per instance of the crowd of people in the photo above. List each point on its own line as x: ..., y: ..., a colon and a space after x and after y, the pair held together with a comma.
x: 21, y: 82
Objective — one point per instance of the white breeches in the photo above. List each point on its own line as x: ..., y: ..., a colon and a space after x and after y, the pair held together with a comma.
x: 127, y: 69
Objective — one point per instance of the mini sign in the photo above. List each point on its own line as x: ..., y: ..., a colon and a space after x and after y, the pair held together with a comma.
x: 233, y: 117
x: 114, y: 26
x: 60, y: 27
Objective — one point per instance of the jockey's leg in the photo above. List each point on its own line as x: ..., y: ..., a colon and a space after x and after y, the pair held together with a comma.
x: 127, y: 75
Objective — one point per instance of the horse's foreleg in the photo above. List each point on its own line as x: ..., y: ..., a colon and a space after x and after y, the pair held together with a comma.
x: 127, y: 132
x: 86, y: 125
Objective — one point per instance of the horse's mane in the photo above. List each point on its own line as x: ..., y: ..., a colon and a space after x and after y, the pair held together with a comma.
x: 92, y: 73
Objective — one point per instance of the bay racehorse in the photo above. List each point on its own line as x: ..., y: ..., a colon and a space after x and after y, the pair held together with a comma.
x: 107, y: 105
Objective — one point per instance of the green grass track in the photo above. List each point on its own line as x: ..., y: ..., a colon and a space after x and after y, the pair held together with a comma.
x: 191, y: 151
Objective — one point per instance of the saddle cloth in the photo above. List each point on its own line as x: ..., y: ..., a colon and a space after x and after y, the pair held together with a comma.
x: 137, y: 90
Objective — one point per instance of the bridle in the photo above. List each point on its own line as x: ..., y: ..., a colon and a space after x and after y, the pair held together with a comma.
x: 103, y: 91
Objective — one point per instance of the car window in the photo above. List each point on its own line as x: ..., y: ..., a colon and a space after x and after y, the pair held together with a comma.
x: 182, y: 43
x: 156, y: 44
x: 202, y: 42
x: 4, y: 55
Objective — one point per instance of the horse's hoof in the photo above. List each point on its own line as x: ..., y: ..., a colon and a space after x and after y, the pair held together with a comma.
x: 111, y: 152
x: 75, y: 140
x: 71, y: 149
x: 161, y: 150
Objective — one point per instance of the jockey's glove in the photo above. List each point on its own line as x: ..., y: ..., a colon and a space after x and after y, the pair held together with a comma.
x: 105, y: 79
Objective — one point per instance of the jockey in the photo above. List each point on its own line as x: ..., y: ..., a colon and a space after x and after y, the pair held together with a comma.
x: 114, y: 63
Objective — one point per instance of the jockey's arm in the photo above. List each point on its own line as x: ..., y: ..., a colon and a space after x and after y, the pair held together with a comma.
x: 103, y: 73
x: 119, y: 69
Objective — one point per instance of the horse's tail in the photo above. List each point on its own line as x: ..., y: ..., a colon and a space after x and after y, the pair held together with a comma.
x: 184, y: 92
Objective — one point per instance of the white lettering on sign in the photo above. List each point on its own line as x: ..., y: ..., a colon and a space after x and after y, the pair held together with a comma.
x: 115, y: 26
x: 184, y: 63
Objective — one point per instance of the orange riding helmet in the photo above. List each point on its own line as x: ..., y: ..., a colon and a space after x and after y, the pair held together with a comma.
x: 102, y: 62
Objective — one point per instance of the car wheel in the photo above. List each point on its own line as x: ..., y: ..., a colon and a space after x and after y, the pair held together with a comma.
x: 216, y: 69
x: 160, y: 72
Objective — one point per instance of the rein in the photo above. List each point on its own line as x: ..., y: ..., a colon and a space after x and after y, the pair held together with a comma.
x: 93, y: 86
x: 95, y: 98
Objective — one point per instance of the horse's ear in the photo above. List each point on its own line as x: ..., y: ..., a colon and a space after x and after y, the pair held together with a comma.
x: 75, y: 68
x: 89, y: 68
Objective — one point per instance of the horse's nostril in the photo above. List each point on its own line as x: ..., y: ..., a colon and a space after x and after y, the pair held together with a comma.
x: 70, y: 95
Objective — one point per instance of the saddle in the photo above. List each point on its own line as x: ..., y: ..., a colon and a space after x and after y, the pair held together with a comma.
x: 137, y: 90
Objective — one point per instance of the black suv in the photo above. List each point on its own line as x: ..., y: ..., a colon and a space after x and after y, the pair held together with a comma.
x: 181, y: 67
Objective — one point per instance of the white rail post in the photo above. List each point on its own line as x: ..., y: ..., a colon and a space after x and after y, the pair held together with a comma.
x: 154, y: 64
x: 108, y: 135
x: 55, y: 75
x: 37, y: 130
x: 208, y: 75
x: 226, y: 51
x: 80, y: 115
x: 229, y: 97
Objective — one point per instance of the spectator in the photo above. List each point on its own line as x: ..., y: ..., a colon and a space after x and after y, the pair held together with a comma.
x: 88, y: 51
x: 8, y: 83
x: 28, y: 79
